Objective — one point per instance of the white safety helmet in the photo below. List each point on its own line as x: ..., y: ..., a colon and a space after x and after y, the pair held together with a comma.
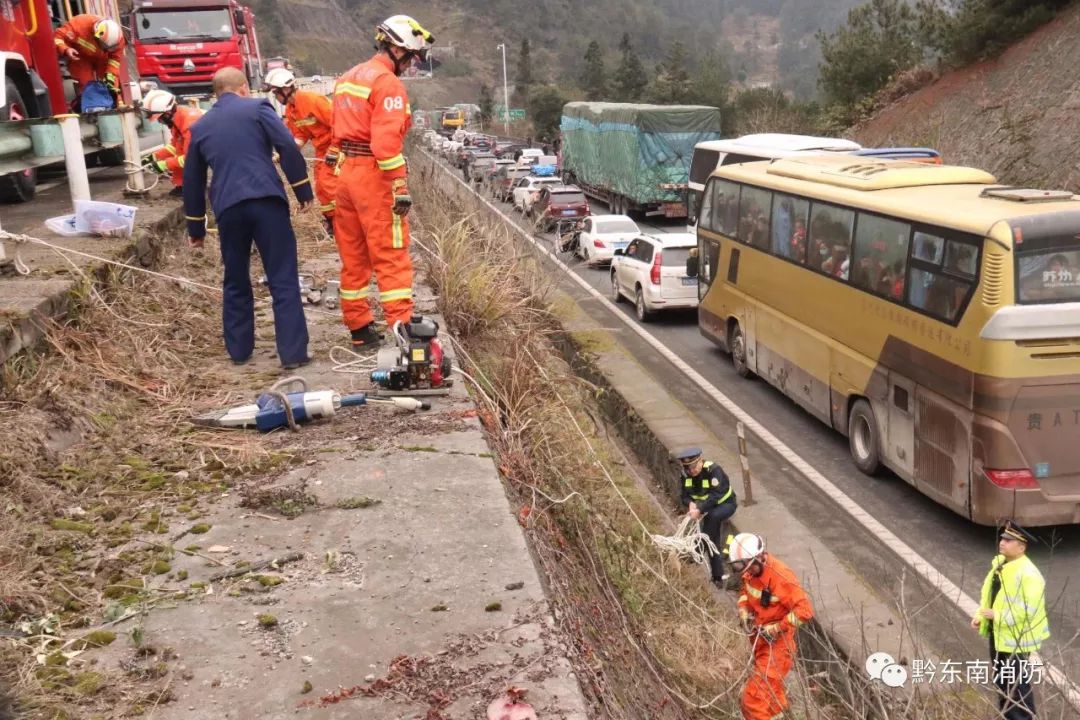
x: 158, y: 102
x: 108, y: 33
x: 279, y: 79
x: 404, y: 32
x: 745, y: 548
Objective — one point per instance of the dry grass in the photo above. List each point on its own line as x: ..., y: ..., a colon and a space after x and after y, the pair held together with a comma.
x: 98, y: 451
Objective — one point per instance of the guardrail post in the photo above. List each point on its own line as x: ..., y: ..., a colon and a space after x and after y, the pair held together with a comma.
x: 74, y: 159
x: 744, y: 464
x: 132, y: 148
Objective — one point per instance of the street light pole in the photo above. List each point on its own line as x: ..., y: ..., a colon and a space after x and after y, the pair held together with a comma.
x: 506, y: 92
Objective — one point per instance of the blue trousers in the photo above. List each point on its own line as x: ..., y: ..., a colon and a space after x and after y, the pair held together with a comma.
x: 266, y: 222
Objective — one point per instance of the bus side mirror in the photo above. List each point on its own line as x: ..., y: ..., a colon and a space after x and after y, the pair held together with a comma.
x: 692, y: 263
x: 241, y: 23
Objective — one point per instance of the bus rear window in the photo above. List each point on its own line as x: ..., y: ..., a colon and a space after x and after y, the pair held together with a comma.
x: 1049, y: 275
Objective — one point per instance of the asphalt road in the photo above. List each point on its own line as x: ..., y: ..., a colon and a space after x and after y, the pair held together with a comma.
x: 957, y: 548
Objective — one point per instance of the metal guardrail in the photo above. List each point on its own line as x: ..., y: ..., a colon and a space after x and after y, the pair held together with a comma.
x: 39, y: 141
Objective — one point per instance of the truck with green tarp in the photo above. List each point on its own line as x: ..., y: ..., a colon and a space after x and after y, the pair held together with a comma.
x: 634, y: 157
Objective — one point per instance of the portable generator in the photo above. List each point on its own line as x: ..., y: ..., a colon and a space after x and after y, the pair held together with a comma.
x: 415, y: 362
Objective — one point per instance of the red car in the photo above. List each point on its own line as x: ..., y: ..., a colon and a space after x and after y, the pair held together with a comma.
x: 560, y: 202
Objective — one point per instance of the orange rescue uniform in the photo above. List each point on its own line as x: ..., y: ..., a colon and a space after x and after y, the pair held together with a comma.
x: 173, y: 153
x: 775, y: 596
x: 308, y: 117
x: 94, y: 62
x: 371, y: 108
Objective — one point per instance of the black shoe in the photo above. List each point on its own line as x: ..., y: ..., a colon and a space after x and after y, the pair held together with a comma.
x: 176, y: 192
x: 295, y: 365
x: 244, y: 361
x: 366, y: 338
x: 329, y: 223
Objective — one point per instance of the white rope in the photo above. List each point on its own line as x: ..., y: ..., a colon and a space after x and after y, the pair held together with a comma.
x: 137, y: 167
x: 351, y: 362
x: 687, y: 542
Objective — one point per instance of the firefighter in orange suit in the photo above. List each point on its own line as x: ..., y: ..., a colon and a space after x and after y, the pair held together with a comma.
x: 307, y: 115
x: 161, y: 105
x: 371, y: 116
x: 772, y: 606
x: 94, y: 48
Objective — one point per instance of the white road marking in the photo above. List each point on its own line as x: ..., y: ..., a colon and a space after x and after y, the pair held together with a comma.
x: 966, y: 604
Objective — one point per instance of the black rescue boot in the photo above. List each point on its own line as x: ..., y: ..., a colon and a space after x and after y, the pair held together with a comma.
x: 366, y: 338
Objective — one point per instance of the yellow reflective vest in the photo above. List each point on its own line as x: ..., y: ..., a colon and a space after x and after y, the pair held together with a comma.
x: 1020, y: 624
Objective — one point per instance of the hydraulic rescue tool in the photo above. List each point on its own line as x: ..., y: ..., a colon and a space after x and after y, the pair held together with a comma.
x: 415, y: 363
x: 276, y: 409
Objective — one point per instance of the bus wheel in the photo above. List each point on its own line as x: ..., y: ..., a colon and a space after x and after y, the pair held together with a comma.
x: 863, y: 438
x: 17, y: 186
x: 737, y: 345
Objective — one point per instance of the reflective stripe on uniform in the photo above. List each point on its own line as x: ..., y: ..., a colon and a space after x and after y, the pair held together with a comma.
x: 408, y: 109
x: 391, y: 163
x: 170, y: 148
x: 360, y: 294
x: 794, y: 619
x: 403, y: 294
x: 115, y: 63
x: 87, y: 44
x: 195, y: 219
x: 395, y: 229
x: 348, y: 88
x: 305, y: 122
x: 180, y: 159
x: 298, y: 183
x: 328, y: 206
x: 743, y: 598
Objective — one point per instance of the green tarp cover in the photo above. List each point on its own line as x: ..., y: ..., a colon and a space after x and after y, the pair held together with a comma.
x: 633, y: 149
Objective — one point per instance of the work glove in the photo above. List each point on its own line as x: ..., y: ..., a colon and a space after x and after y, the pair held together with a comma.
x: 402, y: 199
x: 152, y: 164
x: 771, y: 631
x: 112, y: 82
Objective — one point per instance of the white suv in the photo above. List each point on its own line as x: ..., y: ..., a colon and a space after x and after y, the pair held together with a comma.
x: 652, y: 272
x: 528, y: 190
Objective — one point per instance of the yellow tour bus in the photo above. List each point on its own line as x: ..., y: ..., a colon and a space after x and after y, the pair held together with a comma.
x: 926, y: 312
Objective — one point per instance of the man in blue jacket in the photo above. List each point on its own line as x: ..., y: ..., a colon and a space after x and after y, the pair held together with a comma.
x: 236, y: 139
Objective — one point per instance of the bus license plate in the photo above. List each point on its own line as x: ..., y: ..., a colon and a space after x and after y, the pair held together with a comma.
x: 569, y: 212
x: 689, y: 281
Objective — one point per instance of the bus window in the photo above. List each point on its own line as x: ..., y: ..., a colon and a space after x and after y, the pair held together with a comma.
x: 789, y: 219
x: 1049, y: 275
x: 880, y: 256
x: 725, y: 207
x: 830, y: 239
x: 706, y: 218
x: 929, y: 248
x: 938, y: 294
x: 755, y: 208
x: 961, y: 258
x: 702, y: 165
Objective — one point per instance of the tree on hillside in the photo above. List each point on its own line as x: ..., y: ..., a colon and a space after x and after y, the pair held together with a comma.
x: 879, y: 40
x: 770, y: 110
x: 671, y: 86
x: 629, y: 78
x: 594, y: 75
x: 711, y: 85
x: 546, y: 104
x: 486, y: 103
x: 961, y: 31
x: 524, y: 80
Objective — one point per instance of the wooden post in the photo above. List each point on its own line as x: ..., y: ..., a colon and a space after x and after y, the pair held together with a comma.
x: 744, y: 463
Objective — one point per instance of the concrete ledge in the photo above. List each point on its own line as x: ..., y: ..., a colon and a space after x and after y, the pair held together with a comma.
x: 27, y: 302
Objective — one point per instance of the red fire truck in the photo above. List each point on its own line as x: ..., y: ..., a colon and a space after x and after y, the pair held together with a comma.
x: 31, y: 85
x: 180, y: 44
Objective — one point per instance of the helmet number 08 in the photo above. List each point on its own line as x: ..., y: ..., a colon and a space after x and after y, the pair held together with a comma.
x: 393, y: 103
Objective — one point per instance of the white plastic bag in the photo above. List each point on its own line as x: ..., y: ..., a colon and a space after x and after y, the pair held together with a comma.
x: 63, y: 225
x: 104, y: 218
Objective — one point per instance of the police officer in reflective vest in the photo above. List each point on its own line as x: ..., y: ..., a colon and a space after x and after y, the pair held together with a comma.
x: 1012, y: 614
x: 707, y: 493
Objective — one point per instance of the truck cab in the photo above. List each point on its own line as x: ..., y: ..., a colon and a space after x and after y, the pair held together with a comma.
x: 180, y: 44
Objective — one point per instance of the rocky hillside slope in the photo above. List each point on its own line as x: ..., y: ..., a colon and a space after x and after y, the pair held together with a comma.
x: 1017, y: 116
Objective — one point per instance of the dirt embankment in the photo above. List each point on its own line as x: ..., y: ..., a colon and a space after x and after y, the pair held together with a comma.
x: 1017, y: 116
